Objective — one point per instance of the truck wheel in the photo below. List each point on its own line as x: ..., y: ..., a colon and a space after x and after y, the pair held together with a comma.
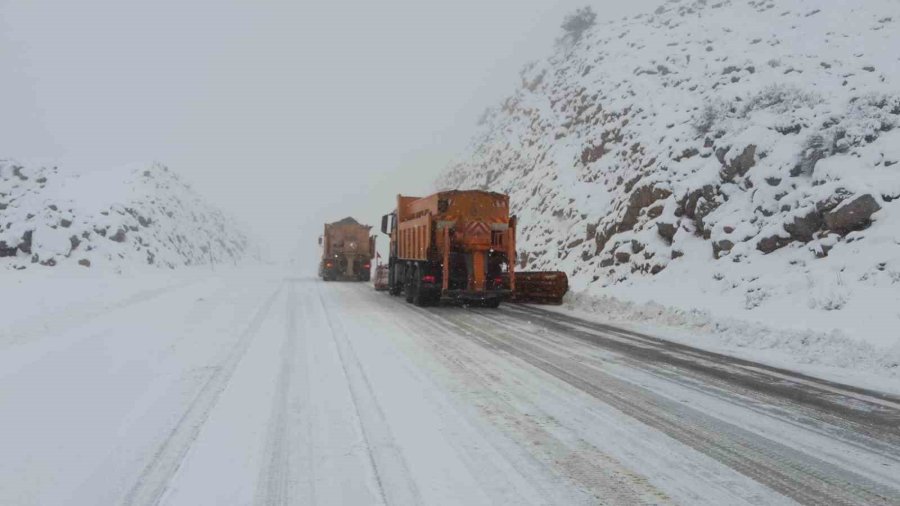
x: 420, y: 298
x: 394, y: 288
x: 409, y: 288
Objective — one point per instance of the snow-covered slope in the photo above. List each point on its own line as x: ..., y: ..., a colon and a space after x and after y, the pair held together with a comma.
x: 740, y: 157
x: 137, y: 215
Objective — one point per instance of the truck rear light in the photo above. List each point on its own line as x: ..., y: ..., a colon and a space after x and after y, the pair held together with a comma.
x: 329, y: 264
x: 428, y: 278
x: 498, y: 280
x: 367, y: 266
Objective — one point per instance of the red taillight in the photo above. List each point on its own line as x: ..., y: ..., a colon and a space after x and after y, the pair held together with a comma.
x: 498, y: 280
x: 428, y: 278
x: 367, y: 266
x: 329, y: 264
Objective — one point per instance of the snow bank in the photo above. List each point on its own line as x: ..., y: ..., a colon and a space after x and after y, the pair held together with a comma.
x: 133, y: 215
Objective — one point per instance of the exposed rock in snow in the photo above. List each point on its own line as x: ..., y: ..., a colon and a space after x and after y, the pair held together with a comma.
x: 750, y: 148
x: 134, y: 215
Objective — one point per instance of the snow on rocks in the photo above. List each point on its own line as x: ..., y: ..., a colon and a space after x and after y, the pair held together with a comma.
x: 740, y: 157
x: 139, y: 215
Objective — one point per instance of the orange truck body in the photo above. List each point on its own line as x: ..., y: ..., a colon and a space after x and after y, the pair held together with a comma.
x: 453, y: 244
x: 347, y: 251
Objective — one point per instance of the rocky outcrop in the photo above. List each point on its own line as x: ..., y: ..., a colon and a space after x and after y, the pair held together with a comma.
x: 623, y: 173
x: 51, y: 218
x: 852, y: 214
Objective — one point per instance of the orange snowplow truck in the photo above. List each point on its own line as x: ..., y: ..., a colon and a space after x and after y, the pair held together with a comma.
x: 452, y: 245
x: 347, y: 251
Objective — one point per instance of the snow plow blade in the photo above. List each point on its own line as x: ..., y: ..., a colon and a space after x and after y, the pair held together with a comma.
x: 539, y: 287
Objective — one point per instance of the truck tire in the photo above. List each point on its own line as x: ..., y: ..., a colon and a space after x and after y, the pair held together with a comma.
x: 409, y: 288
x: 420, y: 298
x: 394, y: 288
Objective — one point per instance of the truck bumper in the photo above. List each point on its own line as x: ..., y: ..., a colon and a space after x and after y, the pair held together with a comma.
x: 477, y: 296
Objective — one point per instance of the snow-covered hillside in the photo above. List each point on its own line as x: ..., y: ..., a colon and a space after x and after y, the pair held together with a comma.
x: 137, y: 215
x: 736, y: 157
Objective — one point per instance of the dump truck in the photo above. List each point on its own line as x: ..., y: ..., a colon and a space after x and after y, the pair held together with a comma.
x: 347, y: 251
x: 451, y: 245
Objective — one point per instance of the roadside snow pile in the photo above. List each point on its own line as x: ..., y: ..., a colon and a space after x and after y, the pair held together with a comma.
x: 134, y: 215
x: 816, y: 353
x: 738, y: 157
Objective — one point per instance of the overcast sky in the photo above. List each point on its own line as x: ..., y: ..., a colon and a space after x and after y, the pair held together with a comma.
x: 286, y: 113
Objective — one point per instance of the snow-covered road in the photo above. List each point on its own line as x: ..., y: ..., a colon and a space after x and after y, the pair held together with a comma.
x: 262, y: 389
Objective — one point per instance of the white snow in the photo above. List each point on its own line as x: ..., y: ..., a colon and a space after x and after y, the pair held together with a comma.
x: 643, y: 123
x: 247, y: 386
x: 140, y: 214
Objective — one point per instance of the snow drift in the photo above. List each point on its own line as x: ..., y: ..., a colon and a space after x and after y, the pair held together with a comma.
x: 142, y: 215
x: 738, y: 157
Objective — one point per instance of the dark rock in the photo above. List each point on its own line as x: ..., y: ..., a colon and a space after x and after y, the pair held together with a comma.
x: 119, y: 236
x: 853, y: 215
x: 85, y: 262
x: 687, y: 153
x: 65, y: 223
x: 773, y: 181
x: 823, y: 250
x: 641, y: 198
x: 770, y: 244
x: 607, y: 262
x: 575, y: 243
x: 602, y: 238
x: 739, y: 166
x: 25, y: 245
x: 50, y: 262
x: 720, y: 154
x: 591, y: 154
x: 637, y: 246
x: 591, y: 231
x: 721, y: 248
x: 677, y: 254
x: 622, y: 257
x: 787, y: 130
x: 803, y: 227
x: 7, y: 251
x: 728, y: 230
x: 74, y: 241
x: 666, y: 231
x: 656, y: 269
x: 655, y: 212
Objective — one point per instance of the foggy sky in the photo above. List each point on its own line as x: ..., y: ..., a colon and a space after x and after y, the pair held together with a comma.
x: 285, y: 113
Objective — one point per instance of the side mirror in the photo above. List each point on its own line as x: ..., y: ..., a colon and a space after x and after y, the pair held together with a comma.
x: 384, y: 223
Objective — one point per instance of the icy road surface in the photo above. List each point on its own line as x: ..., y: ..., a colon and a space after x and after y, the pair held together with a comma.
x: 271, y: 390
